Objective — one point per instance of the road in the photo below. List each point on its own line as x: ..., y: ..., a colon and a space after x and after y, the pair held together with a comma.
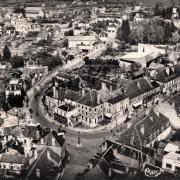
x: 89, y: 141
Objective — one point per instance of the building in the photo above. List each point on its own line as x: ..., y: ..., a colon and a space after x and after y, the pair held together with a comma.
x: 81, y: 42
x: 139, y: 134
x: 31, y: 152
x: 171, y: 162
x: 142, y: 58
x: 91, y: 108
x: 168, y: 78
x: 66, y: 114
x: 14, y: 88
x: 142, y: 91
x: 34, y: 12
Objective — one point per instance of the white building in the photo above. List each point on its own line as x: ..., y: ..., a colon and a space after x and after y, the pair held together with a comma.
x: 81, y: 42
x: 34, y: 12
x: 171, y: 162
x: 24, y: 26
x: 14, y: 88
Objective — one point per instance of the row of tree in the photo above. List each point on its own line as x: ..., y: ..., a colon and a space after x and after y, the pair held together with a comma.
x: 163, y: 12
x: 153, y: 31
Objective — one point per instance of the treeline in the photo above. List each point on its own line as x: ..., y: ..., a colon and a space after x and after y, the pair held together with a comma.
x: 154, y: 31
x: 101, y: 62
x: 164, y: 12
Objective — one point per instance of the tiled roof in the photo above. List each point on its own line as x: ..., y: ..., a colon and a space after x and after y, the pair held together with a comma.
x: 48, y: 168
x: 138, y: 87
x: 164, y: 76
x: 81, y: 38
x: 13, y: 158
x: 117, y: 98
x: 68, y: 94
x: 30, y: 131
x: 8, y: 130
x: 90, y: 99
x: 153, y: 120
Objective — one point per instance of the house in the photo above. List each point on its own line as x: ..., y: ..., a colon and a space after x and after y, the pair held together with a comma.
x: 32, y: 152
x: 81, y: 42
x: 168, y: 78
x: 65, y: 114
x: 91, y: 108
x: 13, y: 162
x: 175, y: 14
x: 34, y: 12
x: 24, y: 26
x: 42, y: 36
x: 117, y: 105
x: 139, y: 134
x: 112, y: 30
x: 10, y: 30
x: 14, y: 88
x: 142, y: 58
x: 171, y: 162
x: 141, y: 91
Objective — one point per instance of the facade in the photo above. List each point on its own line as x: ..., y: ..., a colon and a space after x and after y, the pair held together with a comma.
x: 34, y: 12
x: 14, y: 88
x: 168, y: 78
x: 91, y: 108
x: 81, y: 42
x: 171, y: 162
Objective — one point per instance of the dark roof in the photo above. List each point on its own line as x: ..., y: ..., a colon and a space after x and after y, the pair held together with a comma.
x: 13, y: 158
x: 30, y: 131
x: 58, y: 139
x: 164, y: 77
x: 117, y: 99
x: 138, y: 87
x: 8, y: 130
x: 66, y: 107
x: 68, y: 94
x: 48, y: 168
x: 90, y: 99
x: 154, y: 120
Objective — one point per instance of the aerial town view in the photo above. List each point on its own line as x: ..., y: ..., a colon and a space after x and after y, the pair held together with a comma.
x: 89, y: 89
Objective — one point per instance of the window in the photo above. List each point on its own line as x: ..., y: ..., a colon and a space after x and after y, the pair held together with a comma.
x: 169, y: 166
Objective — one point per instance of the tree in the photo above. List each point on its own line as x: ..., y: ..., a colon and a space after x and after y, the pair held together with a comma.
x: 5, y: 107
x: 6, y: 53
x: 157, y: 11
x: 124, y: 31
x: 17, y: 61
x: 167, y: 32
x: 175, y: 37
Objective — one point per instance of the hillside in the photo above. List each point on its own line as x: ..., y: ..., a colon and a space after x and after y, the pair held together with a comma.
x: 145, y: 2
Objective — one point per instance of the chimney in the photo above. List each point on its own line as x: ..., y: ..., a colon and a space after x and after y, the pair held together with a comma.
x: 103, y: 85
x: 142, y: 129
x: 98, y: 99
x: 42, y: 141
x: 35, y: 153
x: 53, y: 141
x: 61, y: 134
x: 167, y: 70
x: 132, y: 139
x: 38, y: 173
x: 110, y: 88
x: 110, y: 172
x: 173, y: 103
x: 82, y: 92
x: 54, y: 92
x: 138, y: 84
x: 48, y: 155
